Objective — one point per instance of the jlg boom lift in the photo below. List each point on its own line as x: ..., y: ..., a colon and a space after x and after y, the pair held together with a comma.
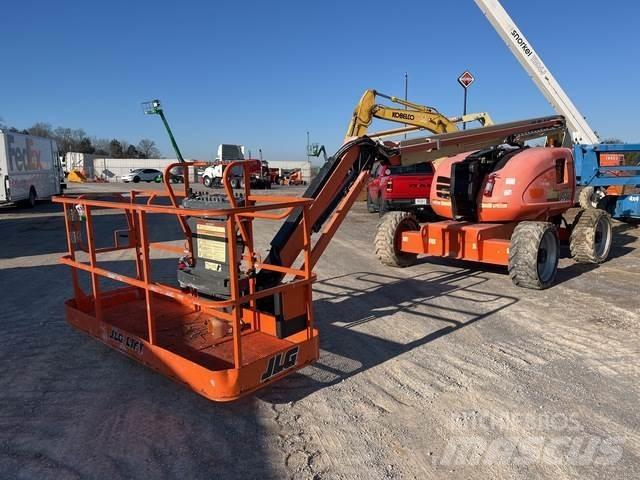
x: 235, y: 321
x: 504, y: 205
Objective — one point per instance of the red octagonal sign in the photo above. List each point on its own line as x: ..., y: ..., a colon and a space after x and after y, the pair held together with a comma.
x: 466, y: 79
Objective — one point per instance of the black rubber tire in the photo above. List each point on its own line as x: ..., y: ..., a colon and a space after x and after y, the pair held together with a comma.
x: 591, y: 236
x: 587, y: 198
x: 371, y: 207
x: 136, y: 179
x: 207, y: 182
x: 389, y: 239
x: 235, y: 183
x: 528, y: 244
x: 30, y: 202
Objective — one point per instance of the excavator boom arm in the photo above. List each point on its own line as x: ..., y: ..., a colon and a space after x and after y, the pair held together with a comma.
x: 414, y: 116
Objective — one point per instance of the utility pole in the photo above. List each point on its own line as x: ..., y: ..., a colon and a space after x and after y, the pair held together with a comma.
x: 308, y: 159
x: 406, y: 93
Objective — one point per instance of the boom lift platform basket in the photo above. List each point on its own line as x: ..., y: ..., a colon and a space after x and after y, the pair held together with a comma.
x: 222, y: 347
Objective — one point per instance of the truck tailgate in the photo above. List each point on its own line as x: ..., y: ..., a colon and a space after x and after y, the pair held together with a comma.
x: 410, y: 186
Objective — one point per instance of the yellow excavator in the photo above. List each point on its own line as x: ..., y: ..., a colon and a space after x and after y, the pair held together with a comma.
x: 415, y: 117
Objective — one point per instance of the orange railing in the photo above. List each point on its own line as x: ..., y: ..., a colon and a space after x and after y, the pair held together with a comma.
x: 84, y: 208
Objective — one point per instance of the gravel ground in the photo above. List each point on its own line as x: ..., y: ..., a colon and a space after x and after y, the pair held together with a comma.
x: 441, y: 370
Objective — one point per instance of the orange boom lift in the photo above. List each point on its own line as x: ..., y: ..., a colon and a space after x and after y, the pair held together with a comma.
x: 233, y: 322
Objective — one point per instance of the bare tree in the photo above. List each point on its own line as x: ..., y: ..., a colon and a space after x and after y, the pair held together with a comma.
x: 131, y: 152
x: 125, y: 148
x: 115, y: 149
x: 148, y: 149
x: 101, y: 145
x: 85, y: 146
x: 41, y: 129
x: 70, y: 140
x: 76, y: 140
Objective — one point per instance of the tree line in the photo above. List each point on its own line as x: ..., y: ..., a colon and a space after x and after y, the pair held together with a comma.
x: 76, y: 140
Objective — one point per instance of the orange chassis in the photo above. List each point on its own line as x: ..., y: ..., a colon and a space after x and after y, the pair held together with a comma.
x: 476, y: 242
x: 165, y: 327
x: 480, y: 242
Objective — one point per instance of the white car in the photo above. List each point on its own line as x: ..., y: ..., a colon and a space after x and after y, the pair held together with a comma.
x: 142, y: 175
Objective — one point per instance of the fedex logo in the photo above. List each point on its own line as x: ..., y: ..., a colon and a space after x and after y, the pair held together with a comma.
x: 23, y: 159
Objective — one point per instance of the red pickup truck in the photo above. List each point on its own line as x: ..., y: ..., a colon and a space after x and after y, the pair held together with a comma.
x: 403, y: 188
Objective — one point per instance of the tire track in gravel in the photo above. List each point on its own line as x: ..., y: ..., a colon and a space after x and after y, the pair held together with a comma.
x: 295, y: 442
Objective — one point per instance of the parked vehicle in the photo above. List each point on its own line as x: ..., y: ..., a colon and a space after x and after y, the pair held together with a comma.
x: 176, y: 175
x: 261, y: 176
x: 274, y: 175
x: 402, y: 188
x: 292, y: 177
x: 258, y: 173
x: 142, y: 175
x: 30, y: 169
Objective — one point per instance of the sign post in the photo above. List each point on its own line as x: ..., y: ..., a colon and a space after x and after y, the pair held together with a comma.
x: 466, y: 79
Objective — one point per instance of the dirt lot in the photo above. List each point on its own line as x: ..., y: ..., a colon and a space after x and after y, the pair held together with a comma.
x: 442, y: 370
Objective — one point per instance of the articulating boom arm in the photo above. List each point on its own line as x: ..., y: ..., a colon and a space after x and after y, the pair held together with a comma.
x: 334, y: 191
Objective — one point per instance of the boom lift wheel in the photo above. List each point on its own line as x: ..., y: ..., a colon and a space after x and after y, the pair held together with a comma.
x: 30, y: 201
x: 590, y: 197
x: 388, y: 240
x: 591, y: 236
x: 534, y: 254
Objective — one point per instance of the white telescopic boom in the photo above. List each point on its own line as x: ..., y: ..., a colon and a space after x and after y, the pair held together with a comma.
x: 581, y: 132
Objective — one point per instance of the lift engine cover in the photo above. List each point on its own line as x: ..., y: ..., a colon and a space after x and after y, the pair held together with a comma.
x: 209, y: 272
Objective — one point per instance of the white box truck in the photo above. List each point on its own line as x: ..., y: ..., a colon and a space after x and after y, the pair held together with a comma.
x: 30, y: 169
